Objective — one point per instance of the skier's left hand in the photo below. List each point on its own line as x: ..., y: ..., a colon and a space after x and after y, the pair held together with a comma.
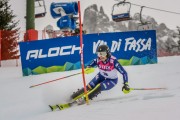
x: 89, y: 70
x: 126, y: 88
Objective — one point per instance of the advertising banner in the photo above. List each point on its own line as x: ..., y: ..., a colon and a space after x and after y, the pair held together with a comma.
x: 63, y: 54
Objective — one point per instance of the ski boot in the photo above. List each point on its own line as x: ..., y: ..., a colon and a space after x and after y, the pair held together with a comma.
x: 91, y: 94
x: 81, y: 100
x: 80, y: 92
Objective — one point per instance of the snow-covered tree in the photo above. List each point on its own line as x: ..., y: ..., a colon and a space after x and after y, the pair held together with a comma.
x: 9, y: 31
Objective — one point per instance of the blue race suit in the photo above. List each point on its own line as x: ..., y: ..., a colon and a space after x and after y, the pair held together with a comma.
x: 107, y: 76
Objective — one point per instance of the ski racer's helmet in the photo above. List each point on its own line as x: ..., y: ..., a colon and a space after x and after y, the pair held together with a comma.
x: 104, y: 48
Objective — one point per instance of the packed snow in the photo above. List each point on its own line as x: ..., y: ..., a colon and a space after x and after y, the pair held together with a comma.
x: 19, y: 102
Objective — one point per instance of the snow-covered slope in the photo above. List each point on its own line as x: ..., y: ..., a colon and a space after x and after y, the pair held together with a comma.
x: 19, y: 102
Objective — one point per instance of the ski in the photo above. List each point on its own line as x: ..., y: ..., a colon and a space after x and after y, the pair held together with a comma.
x: 79, y: 100
x: 67, y: 105
x: 62, y: 106
x: 53, y: 107
x: 76, y: 101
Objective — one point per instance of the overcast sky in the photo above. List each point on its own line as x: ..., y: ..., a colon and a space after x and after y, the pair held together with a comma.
x: 171, y: 20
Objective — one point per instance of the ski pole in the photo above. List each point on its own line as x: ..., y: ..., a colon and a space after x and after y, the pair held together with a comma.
x: 148, y: 88
x: 54, y: 80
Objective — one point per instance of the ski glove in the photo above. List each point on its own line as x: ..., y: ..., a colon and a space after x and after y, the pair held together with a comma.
x: 126, y: 88
x: 89, y: 70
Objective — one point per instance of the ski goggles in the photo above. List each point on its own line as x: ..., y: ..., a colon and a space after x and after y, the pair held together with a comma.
x: 101, y: 54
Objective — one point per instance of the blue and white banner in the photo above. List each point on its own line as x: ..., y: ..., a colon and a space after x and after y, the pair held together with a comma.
x: 60, y: 54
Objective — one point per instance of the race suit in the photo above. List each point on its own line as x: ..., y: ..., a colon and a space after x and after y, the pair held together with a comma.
x: 107, y: 76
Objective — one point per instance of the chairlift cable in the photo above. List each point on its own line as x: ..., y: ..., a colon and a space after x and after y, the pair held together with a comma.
x: 157, y: 9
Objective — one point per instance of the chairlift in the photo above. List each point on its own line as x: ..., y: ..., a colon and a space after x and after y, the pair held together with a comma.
x: 40, y: 4
x: 178, y: 29
x: 144, y: 25
x: 121, y: 11
x: 147, y: 26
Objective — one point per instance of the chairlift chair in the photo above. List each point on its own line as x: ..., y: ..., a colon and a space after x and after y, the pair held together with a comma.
x: 41, y: 3
x: 144, y: 25
x: 121, y: 15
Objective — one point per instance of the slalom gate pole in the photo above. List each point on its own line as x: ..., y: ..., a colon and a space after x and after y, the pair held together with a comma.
x: 82, y: 57
x: 148, y: 88
x: 0, y: 47
x: 54, y: 80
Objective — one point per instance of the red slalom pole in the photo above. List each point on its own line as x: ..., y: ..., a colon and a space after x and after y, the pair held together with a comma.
x: 0, y: 47
x: 82, y: 57
x: 54, y: 80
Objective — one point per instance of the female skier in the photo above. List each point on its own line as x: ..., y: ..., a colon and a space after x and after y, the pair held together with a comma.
x: 107, y: 77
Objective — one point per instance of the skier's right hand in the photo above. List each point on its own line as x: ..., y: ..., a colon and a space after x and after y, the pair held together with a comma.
x: 89, y: 70
x: 126, y: 88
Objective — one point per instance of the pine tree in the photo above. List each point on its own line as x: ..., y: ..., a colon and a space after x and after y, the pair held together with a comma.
x: 9, y: 32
